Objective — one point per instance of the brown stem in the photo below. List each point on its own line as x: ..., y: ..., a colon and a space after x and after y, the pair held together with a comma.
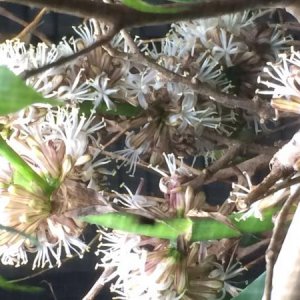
x: 7, y: 14
x: 248, y: 147
x: 228, y: 157
x: 217, y: 165
x: 251, y: 166
x: 260, y: 190
x: 32, y: 25
x: 99, y: 284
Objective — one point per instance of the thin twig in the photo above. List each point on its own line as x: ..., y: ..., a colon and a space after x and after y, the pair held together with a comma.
x: 251, y: 165
x: 7, y: 14
x: 215, y: 167
x: 114, y: 139
x: 99, y: 284
x: 276, y: 241
x: 232, y: 152
x: 282, y: 185
x: 251, y: 147
x: 286, y: 277
x: 244, y: 252
x: 289, y: 25
x: 277, y: 172
x: 32, y: 25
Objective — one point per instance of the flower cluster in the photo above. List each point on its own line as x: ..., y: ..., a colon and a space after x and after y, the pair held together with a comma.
x: 282, y: 80
x: 56, y: 148
x: 225, y: 53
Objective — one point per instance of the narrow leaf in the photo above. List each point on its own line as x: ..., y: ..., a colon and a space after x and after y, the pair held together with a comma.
x: 195, y: 228
x: 9, y: 286
x: 167, y: 229
x: 143, y: 6
x: 22, y: 168
x: 15, y: 94
x: 122, y: 109
x: 254, y: 290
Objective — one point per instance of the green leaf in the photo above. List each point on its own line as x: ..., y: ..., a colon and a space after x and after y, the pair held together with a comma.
x: 209, y: 229
x: 165, y: 229
x: 195, y: 228
x: 29, y: 176
x: 143, y: 6
x: 254, y: 290
x: 252, y: 224
x: 122, y: 109
x: 9, y: 286
x: 15, y: 94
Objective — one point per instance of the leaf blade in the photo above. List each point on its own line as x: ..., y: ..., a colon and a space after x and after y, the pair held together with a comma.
x: 10, y: 286
x: 16, y: 95
x: 254, y: 290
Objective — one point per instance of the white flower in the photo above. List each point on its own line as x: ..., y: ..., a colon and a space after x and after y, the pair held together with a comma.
x: 102, y: 92
x: 42, y: 55
x: 227, y: 48
x: 131, y: 154
x: 140, y: 274
x: 284, y: 76
x: 132, y: 201
x: 209, y: 70
x: 146, y: 206
x: 192, y: 31
x: 120, y: 252
x: 14, y: 255
x: 174, y: 170
x: 237, y: 21
x: 86, y: 31
x: 57, y: 148
x: 13, y: 54
x: 75, y: 91
x: 30, y: 213
x: 45, y: 253
x: 74, y: 130
x: 139, y: 85
x: 190, y: 116
x: 66, y: 48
